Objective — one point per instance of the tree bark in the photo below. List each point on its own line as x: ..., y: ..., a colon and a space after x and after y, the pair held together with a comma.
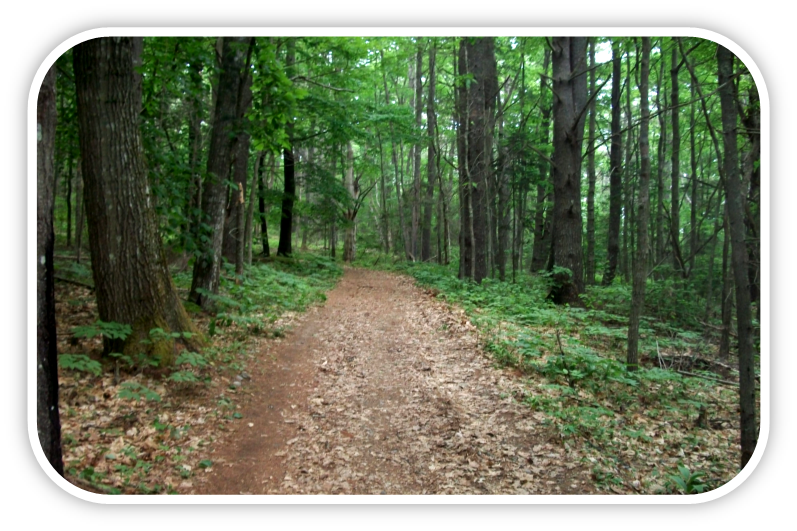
x: 48, y: 420
x: 289, y: 192
x: 350, y: 234
x: 131, y: 279
x: 693, y: 226
x: 250, y: 209
x: 431, y: 161
x: 735, y: 202
x: 615, y: 171
x: 675, y: 186
x: 207, y: 266
x: 569, y: 111
x: 80, y: 212
x: 661, y: 106
x: 480, y: 106
x: 643, y: 214
x: 466, y: 223
x: 233, y: 232
x: 261, y: 201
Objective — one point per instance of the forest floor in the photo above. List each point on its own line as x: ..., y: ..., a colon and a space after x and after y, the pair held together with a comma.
x: 405, y: 382
x: 385, y: 390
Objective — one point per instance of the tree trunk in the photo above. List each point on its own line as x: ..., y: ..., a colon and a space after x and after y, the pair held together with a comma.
x: 675, y: 186
x: 570, y: 89
x: 69, y: 202
x: 628, y: 177
x: 480, y: 105
x: 735, y: 202
x: 710, y: 287
x: 80, y: 212
x: 615, y: 171
x: 350, y: 235
x: 207, y: 267
x: 48, y: 420
x: 233, y: 232
x: 643, y: 215
x: 261, y: 205
x: 416, y: 155
x: 250, y: 209
x: 131, y: 279
x: 693, y: 234
x: 289, y: 191
x: 466, y: 223
x: 431, y: 161
x: 726, y: 307
x: 661, y: 106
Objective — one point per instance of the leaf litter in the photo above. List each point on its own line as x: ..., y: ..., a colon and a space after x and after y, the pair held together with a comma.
x: 383, y: 390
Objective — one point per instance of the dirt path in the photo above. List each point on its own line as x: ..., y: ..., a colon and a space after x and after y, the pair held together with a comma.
x: 384, y: 390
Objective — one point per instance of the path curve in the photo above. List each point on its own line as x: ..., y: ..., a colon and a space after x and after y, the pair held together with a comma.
x: 384, y: 390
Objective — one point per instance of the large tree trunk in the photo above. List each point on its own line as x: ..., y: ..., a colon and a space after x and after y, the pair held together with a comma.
x: 131, y: 278
x: 570, y: 89
x: 735, y: 201
x: 233, y: 232
x: 640, y: 273
x: 284, y: 248
x: 48, y: 421
x: 480, y: 62
x: 431, y: 162
x: 615, y: 171
x: 207, y: 266
x: 466, y: 223
x: 752, y: 175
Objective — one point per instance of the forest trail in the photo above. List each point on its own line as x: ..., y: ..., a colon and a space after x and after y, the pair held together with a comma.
x: 384, y: 390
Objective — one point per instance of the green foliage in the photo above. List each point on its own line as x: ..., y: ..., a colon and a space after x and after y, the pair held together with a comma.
x: 688, y: 482
x: 136, y: 391
x: 100, y: 328
x: 79, y: 362
x: 191, y: 358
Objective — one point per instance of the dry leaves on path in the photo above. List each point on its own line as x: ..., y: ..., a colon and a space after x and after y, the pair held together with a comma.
x: 386, y: 391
